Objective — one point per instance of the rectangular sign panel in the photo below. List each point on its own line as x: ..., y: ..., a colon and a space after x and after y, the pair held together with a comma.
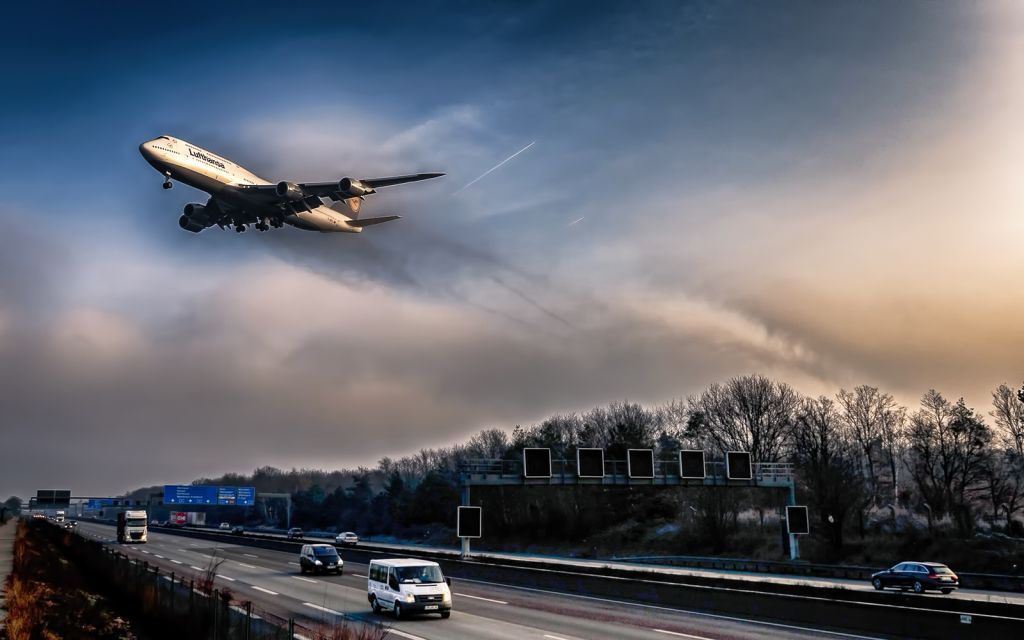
x: 204, y: 494
x: 536, y: 463
x: 189, y: 494
x: 640, y: 463
x: 796, y: 520
x: 179, y: 518
x: 53, y: 497
x: 468, y: 522
x: 590, y: 463
x: 691, y: 465
x: 737, y: 465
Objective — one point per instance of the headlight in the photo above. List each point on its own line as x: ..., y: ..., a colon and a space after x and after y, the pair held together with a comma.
x: 318, y: 563
x: 410, y: 597
x: 447, y: 598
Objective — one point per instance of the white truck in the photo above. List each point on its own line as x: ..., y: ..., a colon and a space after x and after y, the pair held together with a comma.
x: 131, y: 526
x: 58, y: 517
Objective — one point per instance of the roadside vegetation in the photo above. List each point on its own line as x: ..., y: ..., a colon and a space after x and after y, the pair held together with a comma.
x: 49, y: 598
x: 883, y: 482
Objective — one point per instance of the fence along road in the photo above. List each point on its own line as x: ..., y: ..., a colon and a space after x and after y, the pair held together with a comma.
x: 482, y: 610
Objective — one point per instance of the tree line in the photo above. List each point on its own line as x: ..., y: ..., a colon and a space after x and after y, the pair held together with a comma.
x: 856, y: 452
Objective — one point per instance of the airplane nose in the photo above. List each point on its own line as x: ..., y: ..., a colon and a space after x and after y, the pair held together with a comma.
x: 146, y: 149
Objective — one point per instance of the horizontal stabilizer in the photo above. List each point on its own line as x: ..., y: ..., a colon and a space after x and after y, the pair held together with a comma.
x: 366, y: 222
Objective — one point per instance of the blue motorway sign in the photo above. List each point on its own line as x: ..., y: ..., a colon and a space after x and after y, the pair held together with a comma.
x: 98, y: 503
x: 206, y: 494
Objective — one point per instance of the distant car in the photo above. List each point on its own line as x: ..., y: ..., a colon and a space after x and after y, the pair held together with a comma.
x: 154, y: 522
x: 70, y: 525
x: 347, y: 538
x: 225, y: 526
x: 919, y: 576
x: 295, y: 533
x: 238, y: 530
x: 38, y: 516
x: 320, y: 558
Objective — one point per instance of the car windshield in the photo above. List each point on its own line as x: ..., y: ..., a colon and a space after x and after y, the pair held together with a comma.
x: 420, y: 575
x: 325, y: 551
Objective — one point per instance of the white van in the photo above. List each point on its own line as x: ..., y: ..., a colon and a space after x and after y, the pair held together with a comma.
x: 408, y: 586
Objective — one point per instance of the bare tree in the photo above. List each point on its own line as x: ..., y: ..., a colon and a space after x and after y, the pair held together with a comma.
x: 948, y: 446
x: 866, y: 412
x: 749, y: 413
x: 828, y: 462
x: 1008, y: 413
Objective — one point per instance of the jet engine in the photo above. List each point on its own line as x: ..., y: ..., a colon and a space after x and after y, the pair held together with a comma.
x: 288, y: 191
x: 188, y: 224
x: 353, y: 187
x: 196, y: 212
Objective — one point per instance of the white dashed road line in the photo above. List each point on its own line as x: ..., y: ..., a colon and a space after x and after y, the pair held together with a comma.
x: 553, y: 637
x: 681, y: 635
x: 267, y: 591
x: 226, y: 578
x: 177, y: 561
x: 196, y: 568
x: 304, y: 579
x: 247, y: 566
x: 404, y: 634
x: 251, y: 555
x: 466, y: 595
x: 324, y: 609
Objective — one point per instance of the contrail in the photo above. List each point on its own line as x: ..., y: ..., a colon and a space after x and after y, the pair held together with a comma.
x: 575, y: 221
x: 481, y: 176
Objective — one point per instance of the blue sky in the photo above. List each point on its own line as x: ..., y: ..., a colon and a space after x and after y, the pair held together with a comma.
x: 823, y: 192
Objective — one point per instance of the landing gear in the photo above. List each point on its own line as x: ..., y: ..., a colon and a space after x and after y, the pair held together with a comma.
x: 239, y: 228
x: 167, y: 181
x: 262, y: 225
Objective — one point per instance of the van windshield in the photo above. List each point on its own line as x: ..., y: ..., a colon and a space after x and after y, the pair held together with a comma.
x: 426, y: 574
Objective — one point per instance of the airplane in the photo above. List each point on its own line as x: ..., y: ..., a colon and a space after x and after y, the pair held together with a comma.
x: 239, y: 197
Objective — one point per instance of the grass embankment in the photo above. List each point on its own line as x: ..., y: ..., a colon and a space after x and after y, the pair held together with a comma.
x: 49, y: 598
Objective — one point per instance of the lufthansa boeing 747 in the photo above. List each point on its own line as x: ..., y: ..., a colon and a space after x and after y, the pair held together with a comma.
x: 239, y: 198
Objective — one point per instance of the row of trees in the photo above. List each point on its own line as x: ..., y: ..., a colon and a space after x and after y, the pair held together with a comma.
x: 854, y: 452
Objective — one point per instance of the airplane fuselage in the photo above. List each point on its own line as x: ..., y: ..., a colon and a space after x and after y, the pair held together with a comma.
x: 226, y: 182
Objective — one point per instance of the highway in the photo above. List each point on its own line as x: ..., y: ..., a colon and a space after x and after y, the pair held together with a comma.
x: 755, y: 578
x: 484, y: 610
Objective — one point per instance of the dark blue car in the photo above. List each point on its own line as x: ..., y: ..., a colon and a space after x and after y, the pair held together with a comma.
x: 918, y: 576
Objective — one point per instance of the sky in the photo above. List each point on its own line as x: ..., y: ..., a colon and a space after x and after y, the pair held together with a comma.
x: 826, y: 193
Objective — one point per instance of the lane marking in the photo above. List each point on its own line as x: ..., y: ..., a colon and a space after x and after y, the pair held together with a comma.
x: 466, y: 595
x: 546, y: 635
x: 144, y: 551
x: 196, y: 568
x: 251, y: 555
x: 177, y: 561
x: 225, y: 577
x: 268, y: 591
x: 404, y: 634
x: 247, y: 566
x: 674, y: 610
x: 324, y: 609
x: 295, y: 563
x: 185, y: 550
x: 159, y: 556
x: 682, y: 635
x: 304, y: 579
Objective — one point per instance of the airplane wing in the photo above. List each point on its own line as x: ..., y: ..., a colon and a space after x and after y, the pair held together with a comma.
x: 342, y: 190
